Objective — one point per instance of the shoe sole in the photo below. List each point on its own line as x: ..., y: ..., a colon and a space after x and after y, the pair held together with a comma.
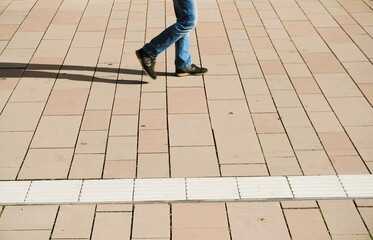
x: 188, y: 74
x: 142, y: 65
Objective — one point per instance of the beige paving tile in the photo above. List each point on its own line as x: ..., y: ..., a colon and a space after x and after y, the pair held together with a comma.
x: 86, y: 166
x: 337, y: 85
x: 257, y: 220
x: 255, y: 86
x: 116, y: 225
x: 315, y: 162
x: 310, y: 44
x: 342, y: 217
x: 348, y: 52
x: 151, y: 221
x: 345, y: 165
x: 362, y: 139
x: 294, y: 204
x: 114, y: 208
x: 364, y: 202
x: 283, y: 166
x: 360, y: 71
x: 279, y: 82
x: 304, y: 221
x: 121, y: 148
x: 303, y: 138
x: 190, y: 130
x: 223, y: 87
x: 314, y: 103
x: 13, y: 146
x: 366, y: 214
x: 276, y: 145
x: 267, y: 123
x: 74, y: 221
x: 32, y: 90
x: 325, y: 122
x: 101, y: 96
x: 119, y: 169
x: 299, y: 28
x: 153, y: 101
x: 194, y: 162
x: 124, y: 125
x: 96, y: 121
x: 153, y: 119
x: 35, y: 24
x: 30, y: 234
x: 244, y: 170
x: 297, y: 70
x: 21, y: 116
x: 261, y: 104
x: 305, y: 85
x: 46, y: 164
x: 18, y: 40
x: 352, y: 111
x: 56, y: 131
x: 367, y: 90
x: 153, y: 165
x: 60, y: 31
x: 337, y: 144
x: 235, y: 146
x: 229, y: 114
x: 28, y: 218
x: 7, y: 31
x: 286, y: 98
x: 219, y: 65
x: 91, y: 142
x: 200, y: 233
x: 294, y: 117
x: 186, y: 100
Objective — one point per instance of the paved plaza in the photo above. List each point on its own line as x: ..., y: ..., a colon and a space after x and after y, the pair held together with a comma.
x: 275, y: 142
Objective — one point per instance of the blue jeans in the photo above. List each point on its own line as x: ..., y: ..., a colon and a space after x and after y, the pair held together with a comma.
x: 178, y: 34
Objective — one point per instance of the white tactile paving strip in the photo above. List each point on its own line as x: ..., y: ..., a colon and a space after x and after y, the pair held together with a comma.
x: 185, y: 189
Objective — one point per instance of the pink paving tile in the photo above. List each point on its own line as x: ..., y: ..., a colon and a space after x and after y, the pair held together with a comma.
x: 299, y: 28
x: 271, y: 67
x: 153, y: 119
x: 199, y: 215
x: 345, y: 165
x: 56, y: 131
x: 334, y: 35
x: 87, y: 166
x: 153, y: 141
x: 304, y: 221
x: 91, y: 24
x: 337, y: 144
x: 367, y: 90
x: 67, y: 102
x: 322, y: 63
x: 7, y: 31
x: 268, y: 123
x: 119, y: 169
x: 32, y: 24
x: 74, y: 221
x: 186, y: 100
x: 151, y: 221
x: 46, y: 164
x: 200, y: 233
x: 194, y: 162
x: 257, y: 221
x: 220, y: 47
x: 293, y: 204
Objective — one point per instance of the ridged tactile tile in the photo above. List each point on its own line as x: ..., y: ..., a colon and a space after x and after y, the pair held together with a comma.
x: 60, y: 191
x: 115, y: 190
x: 212, y: 189
x: 264, y: 187
x: 160, y: 189
x: 358, y: 186
x: 13, y: 192
x: 316, y: 187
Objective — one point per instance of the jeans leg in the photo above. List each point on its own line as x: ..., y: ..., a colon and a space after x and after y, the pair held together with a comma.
x: 186, y: 19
